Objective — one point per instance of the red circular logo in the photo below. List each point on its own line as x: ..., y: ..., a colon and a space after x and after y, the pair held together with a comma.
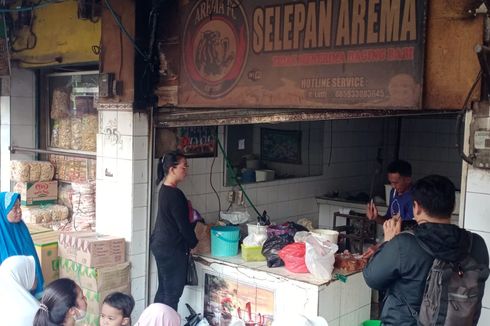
x: 215, y: 47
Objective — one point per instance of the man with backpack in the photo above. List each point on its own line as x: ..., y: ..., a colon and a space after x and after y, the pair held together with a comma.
x: 420, y: 270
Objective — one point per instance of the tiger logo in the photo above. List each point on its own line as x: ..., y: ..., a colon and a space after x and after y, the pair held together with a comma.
x: 213, y: 54
x: 215, y: 48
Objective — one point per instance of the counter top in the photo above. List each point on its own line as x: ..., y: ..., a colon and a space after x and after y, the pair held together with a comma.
x: 280, y: 272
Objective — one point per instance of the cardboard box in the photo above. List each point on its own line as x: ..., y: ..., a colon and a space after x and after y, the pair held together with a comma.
x: 100, y: 250
x: 89, y: 320
x: 46, y: 245
x: 92, y: 249
x: 95, y: 299
x: 37, y: 193
x: 67, y: 243
x: 96, y: 279
x: 36, y: 228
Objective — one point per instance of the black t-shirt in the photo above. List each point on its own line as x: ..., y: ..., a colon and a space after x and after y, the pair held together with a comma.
x: 172, y: 227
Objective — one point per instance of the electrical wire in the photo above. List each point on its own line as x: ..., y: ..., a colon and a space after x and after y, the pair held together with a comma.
x: 331, y: 144
x: 120, y: 55
x: 30, y: 8
x: 230, y: 169
x: 123, y: 29
x: 211, y: 177
x: 460, y: 117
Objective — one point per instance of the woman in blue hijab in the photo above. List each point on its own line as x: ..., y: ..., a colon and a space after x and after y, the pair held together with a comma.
x: 14, y: 235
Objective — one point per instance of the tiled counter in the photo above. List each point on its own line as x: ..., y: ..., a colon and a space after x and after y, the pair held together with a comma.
x: 293, y: 293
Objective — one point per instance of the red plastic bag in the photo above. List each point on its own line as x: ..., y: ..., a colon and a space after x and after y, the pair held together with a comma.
x: 293, y: 256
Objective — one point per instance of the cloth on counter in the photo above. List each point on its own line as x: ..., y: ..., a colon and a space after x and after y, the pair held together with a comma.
x: 307, y: 223
x: 17, y: 306
x: 15, y: 238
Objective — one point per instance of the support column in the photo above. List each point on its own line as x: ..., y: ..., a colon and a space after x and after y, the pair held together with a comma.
x: 122, y: 188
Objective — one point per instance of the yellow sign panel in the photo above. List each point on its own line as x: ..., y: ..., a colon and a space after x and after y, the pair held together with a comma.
x: 57, y: 36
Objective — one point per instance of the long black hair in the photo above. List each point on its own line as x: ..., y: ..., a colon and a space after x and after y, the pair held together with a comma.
x: 59, y: 296
x: 120, y: 301
x: 168, y: 160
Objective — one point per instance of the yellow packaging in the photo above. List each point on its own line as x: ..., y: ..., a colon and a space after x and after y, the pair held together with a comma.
x: 252, y: 253
x: 97, y: 279
x: 46, y: 245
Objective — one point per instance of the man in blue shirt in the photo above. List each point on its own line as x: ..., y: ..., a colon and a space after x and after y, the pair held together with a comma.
x: 401, y: 203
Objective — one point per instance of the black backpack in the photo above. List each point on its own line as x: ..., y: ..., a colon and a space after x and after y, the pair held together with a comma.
x: 453, y: 291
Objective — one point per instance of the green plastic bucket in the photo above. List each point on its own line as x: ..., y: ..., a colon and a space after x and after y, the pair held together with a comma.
x: 224, y: 240
x: 371, y: 323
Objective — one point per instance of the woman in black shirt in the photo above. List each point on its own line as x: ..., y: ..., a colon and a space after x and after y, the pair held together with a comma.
x: 173, y: 236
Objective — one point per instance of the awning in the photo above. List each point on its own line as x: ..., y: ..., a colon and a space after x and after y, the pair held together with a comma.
x: 180, y: 117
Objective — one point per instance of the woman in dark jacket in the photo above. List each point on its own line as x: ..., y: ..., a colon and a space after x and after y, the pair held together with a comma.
x: 173, y: 236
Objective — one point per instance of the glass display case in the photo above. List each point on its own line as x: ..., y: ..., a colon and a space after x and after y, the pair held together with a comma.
x: 73, y: 120
x: 71, y: 130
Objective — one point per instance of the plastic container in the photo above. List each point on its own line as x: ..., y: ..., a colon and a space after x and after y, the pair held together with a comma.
x: 252, y: 253
x: 325, y: 234
x: 264, y: 175
x: 253, y: 228
x: 224, y: 240
x: 371, y: 323
x: 248, y: 175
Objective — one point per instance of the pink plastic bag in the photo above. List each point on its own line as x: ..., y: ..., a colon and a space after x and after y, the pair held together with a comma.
x: 293, y: 256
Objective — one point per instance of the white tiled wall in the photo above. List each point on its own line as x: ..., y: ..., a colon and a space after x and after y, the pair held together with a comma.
x: 477, y: 212
x: 18, y: 120
x: 354, y: 148
x: 429, y: 145
x: 122, y: 190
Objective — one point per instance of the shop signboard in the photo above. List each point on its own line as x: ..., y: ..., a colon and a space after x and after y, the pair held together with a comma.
x: 343, y: 54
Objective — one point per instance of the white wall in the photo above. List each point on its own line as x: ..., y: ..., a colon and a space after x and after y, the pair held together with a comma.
x: 429, y: 145
x: 18, y: 120
x: 122, y: 189
x: 477, y: 219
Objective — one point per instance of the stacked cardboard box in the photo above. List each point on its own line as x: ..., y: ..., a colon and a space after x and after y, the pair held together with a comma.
x: 37, y: 193
x: 35, y: 229
x: 97, y: 263
x: 46, y: 245
x: 97, y: 282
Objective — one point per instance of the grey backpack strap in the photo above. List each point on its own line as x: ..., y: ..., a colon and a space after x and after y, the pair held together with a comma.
x: 413, y: 312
